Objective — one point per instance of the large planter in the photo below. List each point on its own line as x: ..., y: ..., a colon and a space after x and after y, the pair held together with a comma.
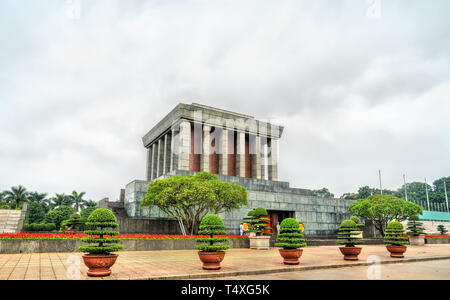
x: 291, y: 256
x: 396, y: 251
x: 417, y: 240
x: 350, y: 253
x: 99, y: 265
x: 259, y: 242
x: 211, y: 260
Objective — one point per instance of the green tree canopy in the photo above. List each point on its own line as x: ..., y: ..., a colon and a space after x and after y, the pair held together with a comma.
x: 77, y: 200
x: 192, y: 197
x: 17, y: 195
x: 323, y: 193
x: 382, y: 209
x: 58, y: 215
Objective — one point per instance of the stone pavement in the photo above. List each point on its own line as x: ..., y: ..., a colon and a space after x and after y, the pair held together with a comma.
x: 185, y: 264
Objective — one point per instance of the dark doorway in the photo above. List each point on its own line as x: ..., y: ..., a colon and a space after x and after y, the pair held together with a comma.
x: 277, y: 216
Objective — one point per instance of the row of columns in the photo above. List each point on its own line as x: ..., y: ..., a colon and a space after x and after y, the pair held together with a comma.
x: 220, y: 151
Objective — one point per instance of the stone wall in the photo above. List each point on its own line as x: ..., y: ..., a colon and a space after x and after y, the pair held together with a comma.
x: 49, y: 246
x: 321, y: 216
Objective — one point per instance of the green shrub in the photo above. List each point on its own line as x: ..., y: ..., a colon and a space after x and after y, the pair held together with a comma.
x: 35, y: 213
x: 211, y: 225
x: 39, y: 227
x: 395, y: 234
x: 58, y: 215
x: 442, y: 229
x: 5, y: 206
x: 73, y: 223
x: 415, y: 227
x: 101, y: 218
x: 357, y: 221
x: 347, y: 235
x: 258, y: 221
x: 290, y: 236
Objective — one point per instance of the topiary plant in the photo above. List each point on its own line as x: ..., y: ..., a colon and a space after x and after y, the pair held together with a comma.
x: 347, y: 234
x: 357, y: 221
x: 290, y: 236
x: 442, y: 229
x: 414, y: 226
x: 73, y: 223
x: 211, y: 225
x: 101, y: 218
x: 395, y: 234
x: 258, y: 221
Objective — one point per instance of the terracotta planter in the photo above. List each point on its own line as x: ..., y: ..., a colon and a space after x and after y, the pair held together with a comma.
x: 350, y: 253
x: 396, y: 251
x: 99, y: 265
x: 211, y: 260
x: 291, y: 256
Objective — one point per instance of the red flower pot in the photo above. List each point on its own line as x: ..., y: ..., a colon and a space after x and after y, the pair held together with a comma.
x: 290, y: 256
x: 99, y: 265
x: 350, y: 253
x: 396, y: 251
x: 211, y: 260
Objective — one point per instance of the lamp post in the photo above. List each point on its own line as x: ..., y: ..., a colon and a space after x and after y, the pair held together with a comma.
x: 404, y: 182
x: 426, y: 191
x: 446, y: 196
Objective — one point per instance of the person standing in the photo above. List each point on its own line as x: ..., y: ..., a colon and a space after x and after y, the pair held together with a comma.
x: 241, y: 229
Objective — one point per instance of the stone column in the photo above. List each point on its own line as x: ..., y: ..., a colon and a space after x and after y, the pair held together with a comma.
x: 167, y: 152
x: 256, y: 157
x: 273, y: 160
x: 148, y: 172
x: 175, y: 141
x: 223, y: 155
x: 154, y: 160
x: 206, y: 149
x: 263, y: 158
x: 185, y: 145
x: 240, y: 155
x: 160, y: 160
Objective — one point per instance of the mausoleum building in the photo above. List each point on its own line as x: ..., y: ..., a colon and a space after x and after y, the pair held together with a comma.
x: 238, y: 148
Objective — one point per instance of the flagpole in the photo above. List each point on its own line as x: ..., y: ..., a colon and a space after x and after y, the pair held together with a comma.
x: 446, y: 196
x: 404, y: 181
x: 426, y: 190
x: 381, y: 188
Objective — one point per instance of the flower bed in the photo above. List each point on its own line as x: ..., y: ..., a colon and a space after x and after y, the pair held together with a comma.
x: 437, y: 236
x: 78, y: 236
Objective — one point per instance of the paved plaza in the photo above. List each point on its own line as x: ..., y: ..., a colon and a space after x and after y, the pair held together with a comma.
x: 184, y: 264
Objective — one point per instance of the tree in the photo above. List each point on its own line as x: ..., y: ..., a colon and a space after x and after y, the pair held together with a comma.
x: 322, y: 193
x: 60, y: 200
x: 382, y: 209
x: 77, y: 200
x: 37, y: 197
x: 17, y: 195
x: 58, y: 215
x: 189, y: 198
x: 35, y: 213
x: 90, y: 206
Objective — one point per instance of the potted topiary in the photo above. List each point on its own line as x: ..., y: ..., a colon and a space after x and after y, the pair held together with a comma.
x: 442, y: 230
x: 259, y: 226
x: 348, y: 236
x: 396, y: 239
x: 211, y: 253
x: 290, y: 239
x: 416, y: 231
x: 100, y: 258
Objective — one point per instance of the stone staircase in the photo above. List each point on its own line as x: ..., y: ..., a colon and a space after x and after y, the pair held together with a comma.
x: 11, y: 220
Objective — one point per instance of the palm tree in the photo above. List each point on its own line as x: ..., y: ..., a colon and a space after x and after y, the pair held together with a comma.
x: 61, y: 200
x: 16, y: 195
x: 37, y: 197
x: 2, y: 196
x: 77, y: 200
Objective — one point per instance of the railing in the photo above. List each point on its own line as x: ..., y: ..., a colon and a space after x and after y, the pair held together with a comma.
x: 434, y: 206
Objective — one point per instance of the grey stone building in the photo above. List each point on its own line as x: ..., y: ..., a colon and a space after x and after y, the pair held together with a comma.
x: 236, y: 147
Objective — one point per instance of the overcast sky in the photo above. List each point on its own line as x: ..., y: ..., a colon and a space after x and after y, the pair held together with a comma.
x: 357, y: 89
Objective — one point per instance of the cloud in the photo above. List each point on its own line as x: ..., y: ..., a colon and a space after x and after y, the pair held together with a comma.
x: 356, y: 95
